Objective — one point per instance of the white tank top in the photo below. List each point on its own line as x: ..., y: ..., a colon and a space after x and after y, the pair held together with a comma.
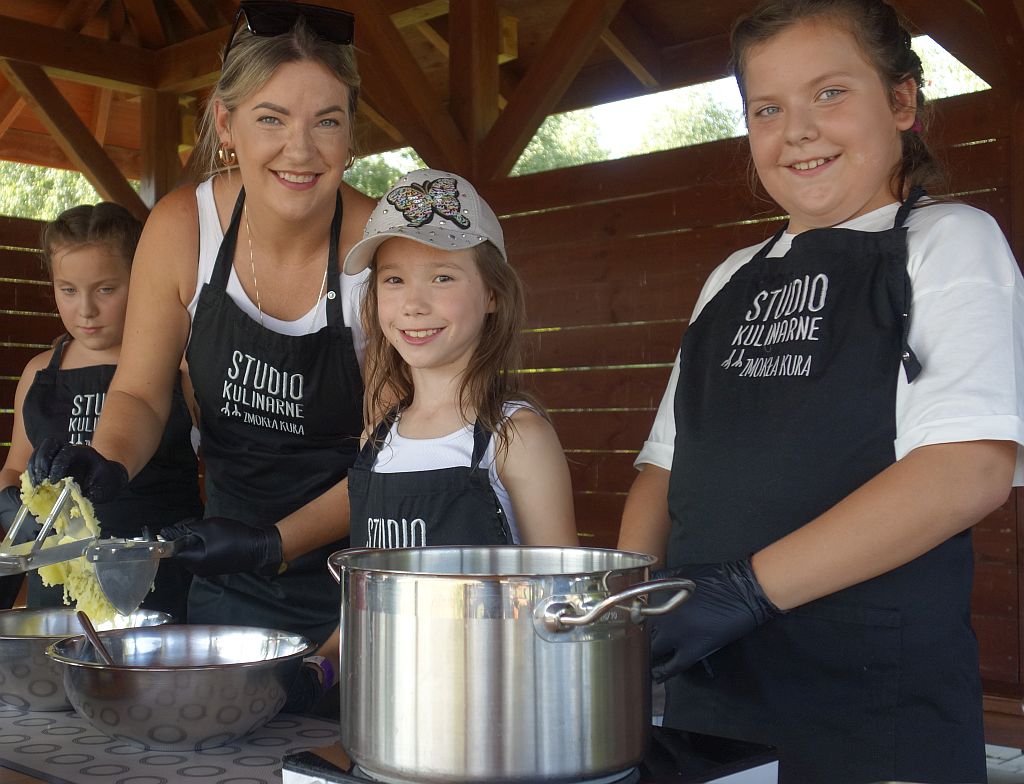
x: 210, y: 237
x: 400, y: 454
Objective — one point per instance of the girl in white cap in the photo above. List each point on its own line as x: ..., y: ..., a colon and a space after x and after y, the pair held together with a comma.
x: 455, y: 451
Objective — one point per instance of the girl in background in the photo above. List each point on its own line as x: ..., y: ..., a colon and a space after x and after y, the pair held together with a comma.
x: 845, y: 406
x: 88, y: 254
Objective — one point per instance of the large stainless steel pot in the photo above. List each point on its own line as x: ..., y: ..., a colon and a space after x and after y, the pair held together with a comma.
x: 495, y: 664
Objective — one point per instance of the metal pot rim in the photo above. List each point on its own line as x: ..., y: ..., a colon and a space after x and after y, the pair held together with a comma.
x: 362, y: 560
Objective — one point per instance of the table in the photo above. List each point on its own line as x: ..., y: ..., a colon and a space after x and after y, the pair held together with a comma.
x: 63, y: 748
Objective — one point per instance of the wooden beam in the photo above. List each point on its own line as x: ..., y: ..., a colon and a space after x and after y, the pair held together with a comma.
x: 544, y: 84
x: 1006, y: 24
x: 960, y: 27
x: 377, y: 119
x: 399, y: 88
x: 405, y: 15
x: 682, y: 65
x: 192, y: 64
x: 11, y: 104
x: 146, y: 22
x: 473, y: 72
x: 634, y: 48
x: 78, y: 58
x: 77, y: 12
x: 71, y: 134
x: 434, y: 38
x: 101, y: 114
x: 193, y: 15
x: 161, y: 132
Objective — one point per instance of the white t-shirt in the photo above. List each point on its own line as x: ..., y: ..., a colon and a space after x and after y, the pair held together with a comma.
x: 399, y: 455
x: 210, y: 237
x: 966, y: 328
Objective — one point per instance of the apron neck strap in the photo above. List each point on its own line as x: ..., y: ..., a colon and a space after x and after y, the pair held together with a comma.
x: 912, y: 198
x: 58, y: 351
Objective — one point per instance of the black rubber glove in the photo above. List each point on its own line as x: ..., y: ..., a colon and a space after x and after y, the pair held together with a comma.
x: 220, y: 545
x: 10, y: 503
x: 311, y: 683
x: 727, y: 603
x: 99, y: 479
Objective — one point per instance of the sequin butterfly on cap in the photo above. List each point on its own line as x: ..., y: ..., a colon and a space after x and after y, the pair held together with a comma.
x: 418, y: 203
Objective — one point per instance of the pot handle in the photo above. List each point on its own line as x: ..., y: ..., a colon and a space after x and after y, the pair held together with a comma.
x: 560, y: 616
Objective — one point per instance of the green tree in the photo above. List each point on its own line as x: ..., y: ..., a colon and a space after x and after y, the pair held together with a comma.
x: 374, y: 174
x: 692, y: 117
x: 568, y: 139
x: 41, y: 193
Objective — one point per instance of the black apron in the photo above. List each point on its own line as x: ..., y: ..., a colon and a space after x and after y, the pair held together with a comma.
x: 280, y: 417
x: 785, y: 405
x: 444, y: 506
x: 66, y: 404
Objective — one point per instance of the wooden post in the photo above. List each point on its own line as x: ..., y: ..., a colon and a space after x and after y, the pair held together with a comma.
x: 161, y: 132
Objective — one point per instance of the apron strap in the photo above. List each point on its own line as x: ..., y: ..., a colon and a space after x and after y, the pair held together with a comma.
x: 335, y: 314
x: 226, y: 254
x: 911, y: 364
x: 481, y: 440
x: 58, y: 351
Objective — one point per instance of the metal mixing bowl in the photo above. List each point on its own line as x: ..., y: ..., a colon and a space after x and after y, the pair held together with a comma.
x: 179, y: 688
x: 27, y: 678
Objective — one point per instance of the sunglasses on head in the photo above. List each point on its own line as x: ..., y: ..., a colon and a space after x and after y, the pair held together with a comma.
x: 268, y: 18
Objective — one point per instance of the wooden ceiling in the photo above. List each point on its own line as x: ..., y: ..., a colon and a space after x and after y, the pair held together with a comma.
x: 112, y: 87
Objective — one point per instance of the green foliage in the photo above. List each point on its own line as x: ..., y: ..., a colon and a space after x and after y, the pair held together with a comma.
x: 944, y: 75
x: 374, y: 174
x: 692, y: 117
x: 568, y: 139
x: 41, y: 193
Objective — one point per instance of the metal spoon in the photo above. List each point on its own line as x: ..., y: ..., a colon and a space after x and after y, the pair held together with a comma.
x: 94, y: 638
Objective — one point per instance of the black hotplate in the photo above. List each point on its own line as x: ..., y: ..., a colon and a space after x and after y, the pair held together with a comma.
x: 674, y: 757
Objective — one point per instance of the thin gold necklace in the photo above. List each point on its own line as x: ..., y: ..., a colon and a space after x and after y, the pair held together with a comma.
x: 256, y: 285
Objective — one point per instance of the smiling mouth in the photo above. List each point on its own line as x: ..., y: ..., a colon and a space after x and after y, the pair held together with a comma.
x: 420, y: 333
x: 808, y: 165
x: 297, y: 178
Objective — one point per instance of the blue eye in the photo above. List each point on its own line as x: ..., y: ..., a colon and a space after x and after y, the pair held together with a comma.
x: 830, y: 93
x: 268, y: 120
x: 767, y: 111
x: 329, y: 123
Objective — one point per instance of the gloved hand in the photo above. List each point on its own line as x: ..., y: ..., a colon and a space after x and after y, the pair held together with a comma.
x: 10, y: 503
x: 727, y: 603
x: 312, y: 681
x: 99, y: 479
x: 220, y: 545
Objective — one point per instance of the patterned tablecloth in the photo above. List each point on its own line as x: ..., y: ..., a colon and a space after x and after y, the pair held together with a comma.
x: 63, y: 748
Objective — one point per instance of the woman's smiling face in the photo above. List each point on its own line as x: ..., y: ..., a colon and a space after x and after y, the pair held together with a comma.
x: 824, y: 135
x: 292, y: 137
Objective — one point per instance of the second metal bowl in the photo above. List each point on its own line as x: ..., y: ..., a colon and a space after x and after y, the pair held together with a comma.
x: 179, y: 688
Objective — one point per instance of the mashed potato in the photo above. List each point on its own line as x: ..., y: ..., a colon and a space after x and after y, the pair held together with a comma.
x: 78, y: 576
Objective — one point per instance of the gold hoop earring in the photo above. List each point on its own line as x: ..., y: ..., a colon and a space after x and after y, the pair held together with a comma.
x: 227, y: 157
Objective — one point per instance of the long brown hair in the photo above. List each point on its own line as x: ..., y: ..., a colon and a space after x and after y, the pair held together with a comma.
x: 492, y: 377
x: 884, y: 40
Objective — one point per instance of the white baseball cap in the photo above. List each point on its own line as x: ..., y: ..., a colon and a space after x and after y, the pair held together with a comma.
x: 433, y: 207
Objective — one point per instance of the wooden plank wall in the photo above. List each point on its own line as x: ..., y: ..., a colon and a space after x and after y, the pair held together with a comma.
x: 28, y: 315
x: 613, y: 255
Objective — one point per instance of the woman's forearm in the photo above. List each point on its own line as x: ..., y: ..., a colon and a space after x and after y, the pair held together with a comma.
x: 912, y: 506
